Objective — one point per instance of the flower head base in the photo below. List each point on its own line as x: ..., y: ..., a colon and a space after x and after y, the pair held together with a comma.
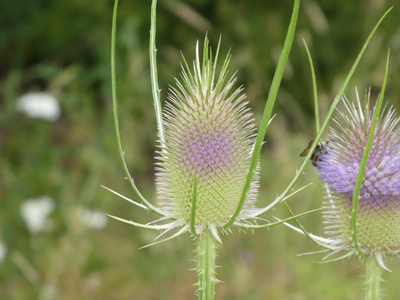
x: 378, y: 214
x: 209, y: 136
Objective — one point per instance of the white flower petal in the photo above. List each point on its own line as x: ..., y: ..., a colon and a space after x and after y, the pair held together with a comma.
x: 94, y: 219
x: 35, y: 213
x: 3, y: 251
x: 39, y: 105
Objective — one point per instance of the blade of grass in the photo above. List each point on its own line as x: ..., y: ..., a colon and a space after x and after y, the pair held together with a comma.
x: 363, y: 164
x: 115, y: 114
x: 276, y: 81
x: 315, y: 89
x: 155, y: 227
x: 126, y: 198
x: 313, y: 238
x: 179, y: 233
x: 280, y: 221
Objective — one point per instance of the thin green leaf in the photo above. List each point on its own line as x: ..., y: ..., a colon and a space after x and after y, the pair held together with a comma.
x: 288, y: 196
x: 363, y: 164
x: 268, y: 110
x: 115, y: 113
x: 315, y: 89
x: 126, y: 198
x: 280, y: 221
x: 155, y: 227
x: 315, y: 237
x: 310, y: 236
x: 180, y: 232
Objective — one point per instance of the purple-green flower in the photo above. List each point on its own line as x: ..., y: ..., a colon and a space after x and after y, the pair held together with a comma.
x: 378, y: 214
x: 209, y: 136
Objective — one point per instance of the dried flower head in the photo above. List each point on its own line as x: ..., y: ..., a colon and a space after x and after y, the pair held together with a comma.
x: 209, y: 136
x: 378, y: 214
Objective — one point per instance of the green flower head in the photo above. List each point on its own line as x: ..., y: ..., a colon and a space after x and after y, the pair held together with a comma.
x: 209, y: 137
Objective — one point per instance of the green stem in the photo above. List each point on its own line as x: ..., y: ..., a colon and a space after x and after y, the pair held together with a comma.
x: 206, y: 254
x: 115, y: 113
x: 373, y: 279
x: 154, y: 74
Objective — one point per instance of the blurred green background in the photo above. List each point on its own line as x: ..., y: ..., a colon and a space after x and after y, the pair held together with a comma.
x: 63, y: 48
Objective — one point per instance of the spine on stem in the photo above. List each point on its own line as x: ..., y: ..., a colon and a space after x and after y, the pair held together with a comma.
x: 205, y: 260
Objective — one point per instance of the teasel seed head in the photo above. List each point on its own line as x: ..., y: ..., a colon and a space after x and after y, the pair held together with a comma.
x: 209, y: 137
x: 378, y: 214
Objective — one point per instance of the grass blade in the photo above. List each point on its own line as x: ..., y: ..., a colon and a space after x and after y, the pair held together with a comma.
x: 363, y: 164
x: 315, y: 89
x: 268, y: 110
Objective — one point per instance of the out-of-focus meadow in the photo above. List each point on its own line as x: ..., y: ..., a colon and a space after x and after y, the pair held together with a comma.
x: 54, y: 166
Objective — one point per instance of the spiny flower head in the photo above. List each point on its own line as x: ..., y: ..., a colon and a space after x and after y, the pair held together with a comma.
x: 378, y: 214
x: 209, y: 136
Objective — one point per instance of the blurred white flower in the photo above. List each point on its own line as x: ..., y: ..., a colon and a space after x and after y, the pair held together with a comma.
x: 35, y: 213
x: 3, y: 251
x: 94, y: 219
x: 39, y: 105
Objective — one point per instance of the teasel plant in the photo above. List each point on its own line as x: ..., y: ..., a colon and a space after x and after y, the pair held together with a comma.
x: 207, y: 170
x: 360, y: 169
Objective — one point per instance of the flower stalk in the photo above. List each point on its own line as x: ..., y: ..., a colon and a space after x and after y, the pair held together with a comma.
x: 205, y: 260
x: 373, y: 279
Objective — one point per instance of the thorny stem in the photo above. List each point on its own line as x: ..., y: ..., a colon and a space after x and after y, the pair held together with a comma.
x: 373, y: 279
x: 205, y: 259
x: 115, y: 114
x: 154, y: 75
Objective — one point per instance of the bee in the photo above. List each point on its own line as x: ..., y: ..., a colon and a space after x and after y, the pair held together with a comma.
x: 319, y: 151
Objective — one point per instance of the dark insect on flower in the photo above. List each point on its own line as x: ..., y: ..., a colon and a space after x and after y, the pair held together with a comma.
x: 318, y: 153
